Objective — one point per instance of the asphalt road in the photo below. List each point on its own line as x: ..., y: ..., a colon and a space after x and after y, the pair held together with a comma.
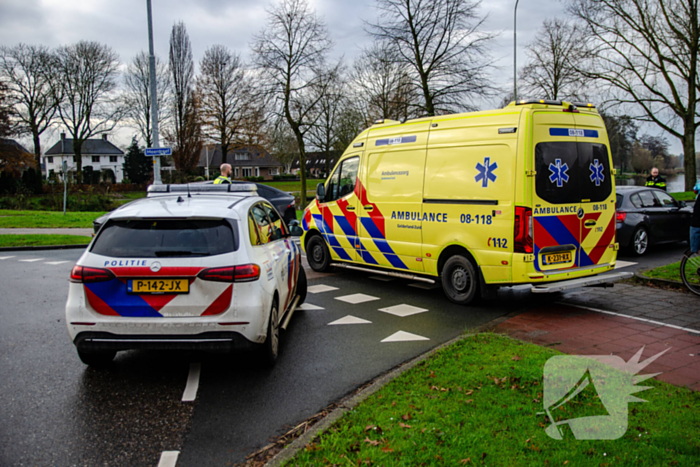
x: 57, y: 411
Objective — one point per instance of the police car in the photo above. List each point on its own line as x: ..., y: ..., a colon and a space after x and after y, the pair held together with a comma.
x: 208, y: 267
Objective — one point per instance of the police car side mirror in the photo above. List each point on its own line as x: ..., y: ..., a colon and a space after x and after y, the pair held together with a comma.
x: 320, y: 192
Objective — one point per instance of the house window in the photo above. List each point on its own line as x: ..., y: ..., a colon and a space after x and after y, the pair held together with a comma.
x: 247, y: 172
x: 113, y: 158
x: 243, y: 156
x: 49, y: 159
x: 275, y: 171
x: 95, y: 158
x: 257, y: 171
x: 237, y: 172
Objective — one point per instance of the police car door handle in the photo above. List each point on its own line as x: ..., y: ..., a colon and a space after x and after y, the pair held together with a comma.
x: 350, y: 208
x: 368, y: 208
x: 275, y: 257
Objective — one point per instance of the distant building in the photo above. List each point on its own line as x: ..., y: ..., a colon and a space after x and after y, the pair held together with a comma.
x: 245, y: 162
x: 99, y: 153
x: 316, y: 163
x: 14, y: 149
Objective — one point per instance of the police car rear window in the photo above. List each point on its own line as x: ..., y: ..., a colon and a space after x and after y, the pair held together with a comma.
x: 166, y: 238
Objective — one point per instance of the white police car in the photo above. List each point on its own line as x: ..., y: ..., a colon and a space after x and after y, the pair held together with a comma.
x: 208, y: 267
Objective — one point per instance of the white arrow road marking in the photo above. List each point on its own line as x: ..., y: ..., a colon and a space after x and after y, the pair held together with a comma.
x: 623, y: 264
x: 309, y: 306
x: 54, y: 263
x: 349, y: 319
x: 403, y: 336
x: 192, y: 385
x: 168, y: 458
x: 320, y: 288
x: 31, y: 260
x: 6, y: 257
x: 356, y: 298
x: 403, y: 310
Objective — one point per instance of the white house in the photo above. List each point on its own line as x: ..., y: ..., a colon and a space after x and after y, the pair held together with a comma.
x: 99, y: 153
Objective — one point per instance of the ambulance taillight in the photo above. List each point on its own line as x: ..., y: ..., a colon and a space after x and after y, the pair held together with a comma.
x: 522, y: 231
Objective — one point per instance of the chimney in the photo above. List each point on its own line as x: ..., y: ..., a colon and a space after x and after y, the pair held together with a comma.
x: 104, y: 136
x: 63, y: 136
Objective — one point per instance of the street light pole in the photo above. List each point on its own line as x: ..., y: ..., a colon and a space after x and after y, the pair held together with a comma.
x: 154, y: 96
x: 515, y: 51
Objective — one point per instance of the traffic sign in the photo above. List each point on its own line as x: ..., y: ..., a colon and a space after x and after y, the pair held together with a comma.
x: 159, y: 152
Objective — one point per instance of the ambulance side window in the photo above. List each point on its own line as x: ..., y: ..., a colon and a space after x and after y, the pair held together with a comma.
x: 342, y: 182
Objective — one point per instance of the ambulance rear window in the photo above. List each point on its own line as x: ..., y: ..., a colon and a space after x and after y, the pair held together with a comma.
x: 570, y: 172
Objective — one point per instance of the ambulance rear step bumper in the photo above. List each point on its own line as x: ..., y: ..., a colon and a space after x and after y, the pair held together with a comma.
x: 552, y: 287
x: 384, y: 273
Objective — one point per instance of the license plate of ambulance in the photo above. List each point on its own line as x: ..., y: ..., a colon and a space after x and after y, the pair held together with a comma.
x: 557, y: 258
x: 158, y: 286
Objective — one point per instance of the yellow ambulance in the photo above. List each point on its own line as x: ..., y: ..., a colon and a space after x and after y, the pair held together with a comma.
x: 519, y: 195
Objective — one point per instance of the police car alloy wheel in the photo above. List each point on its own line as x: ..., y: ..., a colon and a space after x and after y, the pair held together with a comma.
x: 318, y: 255
x: 640, y: 241
x: 272, y: 342
x: 459, y: 280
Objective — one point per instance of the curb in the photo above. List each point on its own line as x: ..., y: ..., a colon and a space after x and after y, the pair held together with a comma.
x: 658, y: 281
x: 44, y: 247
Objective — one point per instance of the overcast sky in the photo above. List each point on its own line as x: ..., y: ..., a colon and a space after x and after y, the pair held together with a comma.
x: 122, y: 25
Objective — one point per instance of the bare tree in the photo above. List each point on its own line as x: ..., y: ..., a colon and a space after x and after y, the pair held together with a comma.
x: 384, y: 84
x: 22, y: 68
x: 645, y: 53
x: 137, y: 95
x: 324, y: 133
x: 226, y: 96
x: 551, y: 73
x: 283, y: 145
x: 441, y: 43
x: 84, y: 82
x: 290, y: 53
x: 186, y: 133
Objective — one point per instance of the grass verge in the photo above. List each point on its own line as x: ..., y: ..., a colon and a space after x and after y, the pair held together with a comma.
x: 670, y: 272
x: 46, y: 219
x: 683, y: 196
x: 477, y: 403
x: 41, y: 240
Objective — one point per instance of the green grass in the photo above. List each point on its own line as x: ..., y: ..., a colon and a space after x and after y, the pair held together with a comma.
x: 670, y: 272
x: 477, y: 403
x: 46, y: 219
x: 683, y: 196
x: 41, y: 239
x: 294, y: 186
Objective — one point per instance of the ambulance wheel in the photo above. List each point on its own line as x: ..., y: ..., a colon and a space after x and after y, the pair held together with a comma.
x: 460, y: 281
x: 301, y: 285
x: 317, y: 254
x: 640, y: 241
x: 270, y: 349
x: 96, y: 358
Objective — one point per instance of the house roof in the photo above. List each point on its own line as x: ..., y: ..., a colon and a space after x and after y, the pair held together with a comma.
x: 258, y: 158
x: 91, y: 147
x: 13, y: 144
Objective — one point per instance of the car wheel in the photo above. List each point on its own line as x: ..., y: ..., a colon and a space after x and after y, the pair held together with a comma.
x: 301, y: 285
x: 317, y: 254
x: 96, y: 358
x: 270, y: 348
x: 460, y: 281
x: 640, y: 241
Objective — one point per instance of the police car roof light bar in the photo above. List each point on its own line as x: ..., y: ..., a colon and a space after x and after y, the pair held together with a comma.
x: 187, y: 188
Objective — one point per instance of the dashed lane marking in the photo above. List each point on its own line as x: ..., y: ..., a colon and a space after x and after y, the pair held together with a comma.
x: 356, y: 298
x: 403, y: 310
x: 309, y: 306
x: 349, y: 319
x: 168, y: 458
x: 320, y: 288
x: 192, y: 385
x: 31, y: 260
x: 54, y: 263
x: 403, y: 336
x: 6, y: 257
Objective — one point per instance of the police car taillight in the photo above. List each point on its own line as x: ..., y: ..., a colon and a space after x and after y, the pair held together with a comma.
x: 243, y: 273
x: 522, y: 230
x: 87, y: 275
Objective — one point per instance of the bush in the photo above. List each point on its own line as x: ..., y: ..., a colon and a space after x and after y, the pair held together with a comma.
x: 198, y: 179
x: 255, y: 179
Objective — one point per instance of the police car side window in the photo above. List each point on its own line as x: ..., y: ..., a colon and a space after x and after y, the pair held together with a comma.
x: 342, y: 182
x: 278, y: 228
x: 253, y: 230
x: 263, y: 224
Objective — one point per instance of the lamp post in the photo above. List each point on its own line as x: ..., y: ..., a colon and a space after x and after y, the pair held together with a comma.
x: 154, y: 96
x: 515, y: 52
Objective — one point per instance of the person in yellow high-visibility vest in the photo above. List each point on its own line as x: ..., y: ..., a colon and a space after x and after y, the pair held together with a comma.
x: 655, y: 180
x: 225, y: 175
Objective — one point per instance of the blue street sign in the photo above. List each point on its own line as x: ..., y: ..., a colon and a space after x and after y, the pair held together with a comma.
x: 158, y: 152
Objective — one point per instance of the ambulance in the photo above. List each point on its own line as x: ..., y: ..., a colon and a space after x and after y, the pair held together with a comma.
x: 474, y: 201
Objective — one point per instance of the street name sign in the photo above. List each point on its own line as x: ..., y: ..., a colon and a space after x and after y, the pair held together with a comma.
x: 150, y: 152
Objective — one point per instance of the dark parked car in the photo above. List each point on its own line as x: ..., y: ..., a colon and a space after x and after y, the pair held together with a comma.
x: 283, y: 202
x: 648, y: 216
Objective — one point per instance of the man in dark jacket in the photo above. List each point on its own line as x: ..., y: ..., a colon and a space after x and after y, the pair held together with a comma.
x: 655, y: 180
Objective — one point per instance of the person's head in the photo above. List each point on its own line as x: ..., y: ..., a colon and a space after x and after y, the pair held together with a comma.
x: 226, y: 170
x: 655, y: 172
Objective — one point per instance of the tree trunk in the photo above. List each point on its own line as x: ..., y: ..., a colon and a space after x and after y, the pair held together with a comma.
x: 77, y: 150
x: 37, y: 150
x: 302, y: 165
x: 689, y: 152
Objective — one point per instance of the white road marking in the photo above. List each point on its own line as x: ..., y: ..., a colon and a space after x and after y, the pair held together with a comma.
x: 192, y: 385
x: 424, y: 285
x: 6, y: 257
x: 54, y: 263
x: 624, y: 264
x: 658, y: 323
x: 403, y: 336
x: 31, y: 260
x: 320, y: 288
x: 403, y: 310
x: 349, y: 319
x: 383, y: 278
x: 309, y: 306
x: 168, y: 458
x: 356, y: 298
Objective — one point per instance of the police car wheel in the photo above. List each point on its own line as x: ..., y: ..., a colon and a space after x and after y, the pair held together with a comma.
x: 640, y: 241
x: 96, y: 358
x: 318, y: 255
x: 270, y: 348
x: 301, y: 285
x: 459, y: 280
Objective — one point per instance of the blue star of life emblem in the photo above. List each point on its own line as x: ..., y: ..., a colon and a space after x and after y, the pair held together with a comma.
x: 597, y: 172
x: 486, y: 172
x: 559, y: 174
